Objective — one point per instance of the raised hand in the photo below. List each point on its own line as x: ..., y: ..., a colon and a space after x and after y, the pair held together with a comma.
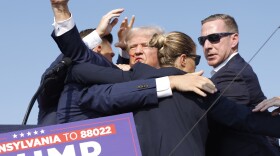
x: 194, y: 82
x: 56, y: 2
x: 60, y: 9
x: 124, y: 28
x: 106, y: 23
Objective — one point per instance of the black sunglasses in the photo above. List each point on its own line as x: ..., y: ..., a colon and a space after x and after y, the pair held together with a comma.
x: 196, y: 58
x: 213, y: 38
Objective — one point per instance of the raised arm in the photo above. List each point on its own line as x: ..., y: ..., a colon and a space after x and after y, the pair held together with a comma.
x: 67, y: 36
x: 71, y: 45
x: 60, y: 10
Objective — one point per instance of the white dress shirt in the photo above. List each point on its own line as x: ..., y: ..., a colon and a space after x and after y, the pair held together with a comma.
x: 215, y: 70
x: 93, y: 39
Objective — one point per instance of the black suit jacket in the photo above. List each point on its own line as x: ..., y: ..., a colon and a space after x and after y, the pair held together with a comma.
x: 78, y: 52
x: 56, y: 91
x: 244, y: 90
x: 72, y: 108
x: 161, y: 128
x: 142, y: 92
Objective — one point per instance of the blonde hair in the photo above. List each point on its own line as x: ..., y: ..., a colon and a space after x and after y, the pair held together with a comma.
x: 172, y: 45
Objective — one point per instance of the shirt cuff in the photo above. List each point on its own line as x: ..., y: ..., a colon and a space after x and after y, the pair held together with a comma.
x: 92, y: 40
x: 62, y: 27
x: 123, y: 53
x: 163, y: 87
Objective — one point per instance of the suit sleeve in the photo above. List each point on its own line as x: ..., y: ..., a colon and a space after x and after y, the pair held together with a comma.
x: 89, y: 74
x: 240, y: 117
x: 72, y: 46
x: 120, y: 97
x: 238, y: 90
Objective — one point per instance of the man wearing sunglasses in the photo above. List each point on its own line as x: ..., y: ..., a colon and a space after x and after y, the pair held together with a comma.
x: 219, y: 40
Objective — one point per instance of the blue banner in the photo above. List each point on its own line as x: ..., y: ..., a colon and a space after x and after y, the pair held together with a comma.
x: 106, y: 136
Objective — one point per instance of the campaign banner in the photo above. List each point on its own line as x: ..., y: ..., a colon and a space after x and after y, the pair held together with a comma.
x: 107, y: 136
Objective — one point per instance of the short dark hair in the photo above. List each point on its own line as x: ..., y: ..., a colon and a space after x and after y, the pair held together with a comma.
x: 85, y: 32
x: 229, y: 21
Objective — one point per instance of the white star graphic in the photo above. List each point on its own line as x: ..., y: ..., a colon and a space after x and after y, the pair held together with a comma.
x: 35, y: 132
x: 21, y: 134
x: 42, y: 131
x: 14, y: 136
x: 28, y: 134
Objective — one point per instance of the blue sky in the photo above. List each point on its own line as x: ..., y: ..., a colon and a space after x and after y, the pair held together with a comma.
x: 27, y: 48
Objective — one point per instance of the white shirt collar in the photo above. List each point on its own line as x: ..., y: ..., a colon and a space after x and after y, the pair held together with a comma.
x: 215, y: 70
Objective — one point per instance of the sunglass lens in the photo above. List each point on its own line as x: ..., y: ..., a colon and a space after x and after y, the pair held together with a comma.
x: 202, y: 39
x: 197, y: 59
x: 214, y: 38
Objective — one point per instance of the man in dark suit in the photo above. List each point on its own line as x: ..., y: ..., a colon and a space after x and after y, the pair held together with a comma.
x: 149, y: 120
x: 220, y: 39
x: 79, y: 53
x: 54, y: 84
x: 176, y: 115
x: 72, y: 91
x: 161, y: 127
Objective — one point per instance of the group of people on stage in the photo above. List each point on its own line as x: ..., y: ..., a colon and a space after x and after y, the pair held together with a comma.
x: 177, y: 111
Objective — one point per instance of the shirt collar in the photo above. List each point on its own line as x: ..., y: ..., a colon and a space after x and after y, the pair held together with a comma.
x: 215, y: 70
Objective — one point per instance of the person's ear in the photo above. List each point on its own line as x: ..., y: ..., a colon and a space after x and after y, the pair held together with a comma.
x: 235, y: 39
x: 98, y: 49
x: 183, y: 60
